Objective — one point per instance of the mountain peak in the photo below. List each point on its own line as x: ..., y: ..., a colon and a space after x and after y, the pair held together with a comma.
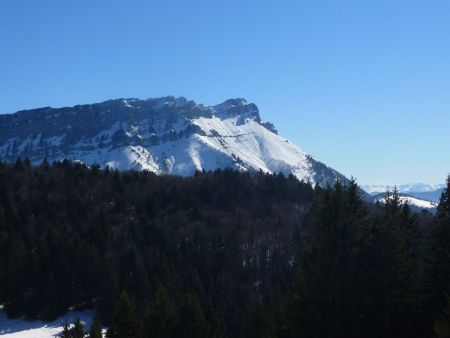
x: 167, y: 135
x: 237, y: 107
x: 231, y: 103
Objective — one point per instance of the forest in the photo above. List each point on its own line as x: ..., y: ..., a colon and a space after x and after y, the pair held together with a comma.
x: 219, y: 254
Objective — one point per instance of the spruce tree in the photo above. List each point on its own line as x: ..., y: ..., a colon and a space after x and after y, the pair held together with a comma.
x: 78, y: 329
x: 439, y: 272
x: 396, y: 287
x: 67, y: 332
x: 324, y: 301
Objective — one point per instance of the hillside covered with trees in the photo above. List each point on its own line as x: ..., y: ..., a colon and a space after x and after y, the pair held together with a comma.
x: 219, y: 254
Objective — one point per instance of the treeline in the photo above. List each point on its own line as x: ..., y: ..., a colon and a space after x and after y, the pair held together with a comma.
x: 77, y: 237
x: 220, y: 254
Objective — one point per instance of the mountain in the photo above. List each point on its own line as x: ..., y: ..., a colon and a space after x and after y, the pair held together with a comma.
x: 428, y: 192
x: 415, y: 203
x: 433, y: 196
x: 165, y: 135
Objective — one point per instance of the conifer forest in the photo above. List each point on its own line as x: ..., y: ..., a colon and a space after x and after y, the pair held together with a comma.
x: 219, y: 254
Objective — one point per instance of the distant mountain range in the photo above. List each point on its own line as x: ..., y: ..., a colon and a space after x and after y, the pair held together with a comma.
x: 417, y: 204
x: 166, y: 135
x: 422, y: 191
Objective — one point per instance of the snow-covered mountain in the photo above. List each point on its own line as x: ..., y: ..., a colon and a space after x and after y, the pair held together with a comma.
x: 166, y: 135
x: 415, y: 203
x: 428, y: 192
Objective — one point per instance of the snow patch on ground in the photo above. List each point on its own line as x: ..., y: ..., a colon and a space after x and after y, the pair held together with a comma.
x: 20, y: 328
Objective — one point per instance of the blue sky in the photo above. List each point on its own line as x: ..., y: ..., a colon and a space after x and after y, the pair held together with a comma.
x: 362, y: 85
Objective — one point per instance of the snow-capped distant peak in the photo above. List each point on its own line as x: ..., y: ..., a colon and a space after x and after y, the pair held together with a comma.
x: 403, y: 188
x: 421, y: 191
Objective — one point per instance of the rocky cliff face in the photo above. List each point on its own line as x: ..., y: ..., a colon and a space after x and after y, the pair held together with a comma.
x: 165, y: 135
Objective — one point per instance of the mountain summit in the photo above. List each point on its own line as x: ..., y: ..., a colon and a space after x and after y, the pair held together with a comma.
x: 165, y: 135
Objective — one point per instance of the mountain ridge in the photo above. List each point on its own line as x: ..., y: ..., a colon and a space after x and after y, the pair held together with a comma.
x: 417, y: 204
x: 166, y: 135
x: 423, y: 191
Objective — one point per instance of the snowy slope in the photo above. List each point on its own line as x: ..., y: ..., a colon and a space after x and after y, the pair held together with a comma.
x: 415, y: 203
x: 166, y: 136
x: 19, y: 328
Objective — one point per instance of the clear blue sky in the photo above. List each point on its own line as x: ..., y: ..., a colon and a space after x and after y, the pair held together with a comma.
x: 362, y: 85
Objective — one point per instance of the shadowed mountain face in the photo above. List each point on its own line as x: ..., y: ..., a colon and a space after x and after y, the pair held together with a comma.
x: 166, y: 135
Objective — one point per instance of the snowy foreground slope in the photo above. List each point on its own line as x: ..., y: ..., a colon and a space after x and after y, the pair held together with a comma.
x: 19, y: 328
x: 166, y: 136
